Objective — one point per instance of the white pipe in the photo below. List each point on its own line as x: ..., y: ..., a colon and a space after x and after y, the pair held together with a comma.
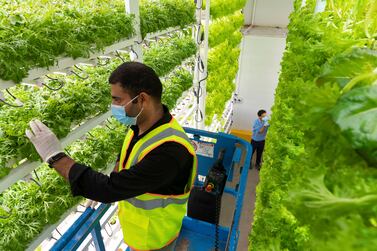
x: 204, y: 74
x: 254, y: 12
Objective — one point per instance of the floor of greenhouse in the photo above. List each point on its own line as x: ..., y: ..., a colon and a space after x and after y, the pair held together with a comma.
x: 248, y: 209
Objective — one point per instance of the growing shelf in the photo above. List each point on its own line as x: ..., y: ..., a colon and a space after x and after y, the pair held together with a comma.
x: 27, y: 167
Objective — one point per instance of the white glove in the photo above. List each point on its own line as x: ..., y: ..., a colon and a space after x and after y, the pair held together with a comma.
x: 44, y: 140
x: 90, y: 203
x: 265, y: 120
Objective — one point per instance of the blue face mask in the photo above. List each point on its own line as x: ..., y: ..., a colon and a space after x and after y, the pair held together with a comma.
x: 119, y: 112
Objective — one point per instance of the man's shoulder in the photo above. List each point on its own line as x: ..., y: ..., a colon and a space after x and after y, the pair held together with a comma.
x: 257, y: 122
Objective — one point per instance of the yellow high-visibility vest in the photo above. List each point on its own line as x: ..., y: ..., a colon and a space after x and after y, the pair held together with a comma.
x: 152, y: 221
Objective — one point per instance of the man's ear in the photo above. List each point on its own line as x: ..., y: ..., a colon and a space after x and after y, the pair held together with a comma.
x: 143, y: 96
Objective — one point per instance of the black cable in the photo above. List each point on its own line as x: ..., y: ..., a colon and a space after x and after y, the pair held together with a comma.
x: 198, y: 112
x: 9, y: 104
x: 78, y: 75
x: 201, y: 5
x: 57, y: 230
x: 36, y: 175
x: 68, y: 152
x: 200, y: 64
x: 198, y: 120
x: 107, y: 61
x: 198, y: 40
x: 198, y: 93
x: 52, y: 237
x: 110, y: 127
x: 133, y: 51
x: 54, y: 89
x: 10, y: 94
x: 81, y: 77
x: 78, y: 68
x: 119, y: 56
x: 36, y: 182
x: 147, y: 43
x: 91, y: 135
x: 54, y: 79
x: 218, y: 208
x: 79, y: 211
x: 203, y: 79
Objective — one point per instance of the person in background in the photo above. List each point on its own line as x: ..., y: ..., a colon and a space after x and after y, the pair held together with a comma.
x: 260, y: 128
x: 156, y: 169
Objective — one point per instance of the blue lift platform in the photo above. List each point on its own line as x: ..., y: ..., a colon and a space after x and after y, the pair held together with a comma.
x: 196, y: 235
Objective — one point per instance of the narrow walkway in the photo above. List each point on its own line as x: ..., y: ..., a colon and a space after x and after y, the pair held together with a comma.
x: 248, y: 209
x: 262, y: 50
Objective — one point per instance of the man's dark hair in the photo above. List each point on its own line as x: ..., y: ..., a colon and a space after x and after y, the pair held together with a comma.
x: 260, y: 112
x: 136, y: 77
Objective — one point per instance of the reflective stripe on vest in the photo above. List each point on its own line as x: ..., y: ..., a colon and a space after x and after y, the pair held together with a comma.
x: 151, y: 221
x: 152, y: 204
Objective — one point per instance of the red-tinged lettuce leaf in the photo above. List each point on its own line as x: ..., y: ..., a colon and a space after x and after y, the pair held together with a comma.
x: 357, y: 66
x: 356, y: 115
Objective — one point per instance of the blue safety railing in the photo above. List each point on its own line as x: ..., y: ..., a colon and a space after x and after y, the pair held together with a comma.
x: 201, y: 234
x: 198, y: 234
x: 87, y: 223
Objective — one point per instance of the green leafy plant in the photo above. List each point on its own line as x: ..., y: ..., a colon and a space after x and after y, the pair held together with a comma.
x: 157, y: 15
x: 166, y: 54
x: 222, y: 70
x: 61, y: 110
x: 220, y: 85
x: 355, y: 73
x: 224, y: 28
x: 318, y: 182
x: 178, y: 81
x: 220, y: 8
x: 36, y: 32
x: 224, y: 39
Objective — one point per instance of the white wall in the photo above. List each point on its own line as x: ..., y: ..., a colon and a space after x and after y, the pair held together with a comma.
x: 258, y: 77
x: 272, y: 12
x: 248, y: 11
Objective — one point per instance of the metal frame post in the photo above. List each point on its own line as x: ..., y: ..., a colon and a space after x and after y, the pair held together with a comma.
x: 132, y: 7
x: 201, y: 65
x: 97, y: 238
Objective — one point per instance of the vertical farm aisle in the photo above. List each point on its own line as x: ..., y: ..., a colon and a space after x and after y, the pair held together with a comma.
x: 261, y: 52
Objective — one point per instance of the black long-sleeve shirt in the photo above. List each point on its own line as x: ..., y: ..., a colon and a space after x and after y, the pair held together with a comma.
x: 165, y: 170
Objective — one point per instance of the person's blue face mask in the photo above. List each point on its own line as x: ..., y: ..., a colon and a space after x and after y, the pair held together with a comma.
x: 119, y: 112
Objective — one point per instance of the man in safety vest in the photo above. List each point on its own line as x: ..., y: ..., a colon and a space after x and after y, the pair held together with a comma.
x: 154, y: 172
